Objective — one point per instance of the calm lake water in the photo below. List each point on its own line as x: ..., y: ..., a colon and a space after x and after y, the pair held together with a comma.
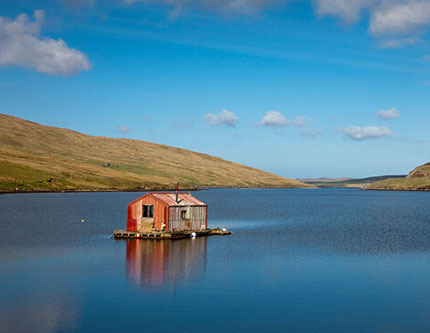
x: 299, y: 260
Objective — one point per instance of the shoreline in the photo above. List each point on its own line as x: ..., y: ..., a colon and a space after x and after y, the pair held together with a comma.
x: 197, y: 189
x: 194, y: 189
x: 396, y: 190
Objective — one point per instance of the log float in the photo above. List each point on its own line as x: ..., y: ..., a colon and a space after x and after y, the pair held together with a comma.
x: 124, y: 234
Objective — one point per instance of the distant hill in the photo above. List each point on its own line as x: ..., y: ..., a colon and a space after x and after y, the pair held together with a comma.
x: 347, y: 182
x: 323, y: 180
x: 34, y: 157
x: 417, y: 180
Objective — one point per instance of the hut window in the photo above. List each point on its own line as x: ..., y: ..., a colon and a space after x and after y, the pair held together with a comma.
x: 148, y: 211
x: 184, y: 214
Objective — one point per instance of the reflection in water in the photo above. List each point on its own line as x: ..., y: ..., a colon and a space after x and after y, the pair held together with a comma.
x: 327, y: 260
x: 47, y: 313
x: 165, y: 263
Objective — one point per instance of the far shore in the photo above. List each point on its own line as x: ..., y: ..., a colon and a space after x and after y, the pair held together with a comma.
x: 194, y: 189
x: 397, y: 190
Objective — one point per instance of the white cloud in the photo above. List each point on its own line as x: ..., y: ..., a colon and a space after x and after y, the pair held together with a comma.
x: 399, y: 16
x: 21, y: 45
x: 392, y: 113
x: 398, y: 43
x: 229, y: 6
x: 346, y: 10
x: 301, y: 121
x: 274, y: 119
x: 366, y: 133
x: 123, y: 129
x: 386, y: 16
x: 225, y: 117
x: 277, y: 119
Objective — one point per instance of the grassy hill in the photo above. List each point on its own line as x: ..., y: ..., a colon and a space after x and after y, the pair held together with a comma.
x: 34, y: 157
x: 417, y: 180
x: 348, y: 182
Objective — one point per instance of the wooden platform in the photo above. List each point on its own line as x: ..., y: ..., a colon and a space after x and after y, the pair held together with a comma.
x: 124, y: 234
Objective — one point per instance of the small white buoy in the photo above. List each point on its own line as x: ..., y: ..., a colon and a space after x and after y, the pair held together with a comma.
x: 224, y: 229
x: 193, y: 235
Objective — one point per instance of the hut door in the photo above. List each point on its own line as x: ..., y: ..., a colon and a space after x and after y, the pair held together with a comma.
x: 147, y: 218
x: 185, y: 217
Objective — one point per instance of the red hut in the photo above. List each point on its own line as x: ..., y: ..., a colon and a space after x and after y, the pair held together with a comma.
x: 167, y: 212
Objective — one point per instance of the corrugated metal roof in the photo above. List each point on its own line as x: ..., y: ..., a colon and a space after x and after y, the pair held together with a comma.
x: 185, y: 199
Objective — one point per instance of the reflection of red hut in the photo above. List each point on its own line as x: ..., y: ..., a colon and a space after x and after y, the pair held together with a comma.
x: 164, y: 263
x: 147, y: 262
x: 166, y: 212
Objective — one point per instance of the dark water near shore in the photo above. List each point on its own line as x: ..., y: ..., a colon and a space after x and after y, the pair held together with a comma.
x: 299, y: 260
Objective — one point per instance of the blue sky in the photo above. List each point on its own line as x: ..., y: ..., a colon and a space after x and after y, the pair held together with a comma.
x: 299, y: 88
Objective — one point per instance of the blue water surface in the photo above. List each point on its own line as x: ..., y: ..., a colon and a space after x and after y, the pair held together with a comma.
x: 323, y: 260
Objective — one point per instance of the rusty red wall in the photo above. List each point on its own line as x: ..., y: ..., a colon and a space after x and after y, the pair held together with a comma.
x: 134, y: 213
x: 159, y: 211
x: 132, y: 217
x: 170, y: 216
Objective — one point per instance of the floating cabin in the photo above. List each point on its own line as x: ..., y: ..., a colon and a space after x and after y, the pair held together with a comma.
x: 167, y: 216
x: 172, y: 212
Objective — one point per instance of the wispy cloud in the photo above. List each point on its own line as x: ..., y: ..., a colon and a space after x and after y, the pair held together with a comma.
x: 224, y: 118
x: 301, y: 121
x: 386, y: 17
x: 310, y: 132
x: 21, y: 45
x: 185, y: 124
x: 80, y: 4
x: 123, y: 129
x: 366, y: 133
x: 274, y: 119
x: 402, y: 42
x: 399, y: 16
x: 227, y: 6
x: 392, y: 113
x: 347, y: 10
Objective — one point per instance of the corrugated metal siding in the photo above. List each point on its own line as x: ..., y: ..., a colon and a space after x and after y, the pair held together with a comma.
x: 134, y: 216
x: 133, y: 222
x: 186, y: 199
x: 134, y: 213
x: 159, y: 211
x: 197, y: 218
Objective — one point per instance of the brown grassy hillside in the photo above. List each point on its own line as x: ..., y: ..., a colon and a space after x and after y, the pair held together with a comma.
x: 417, y: 180
x: 34, y: 157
